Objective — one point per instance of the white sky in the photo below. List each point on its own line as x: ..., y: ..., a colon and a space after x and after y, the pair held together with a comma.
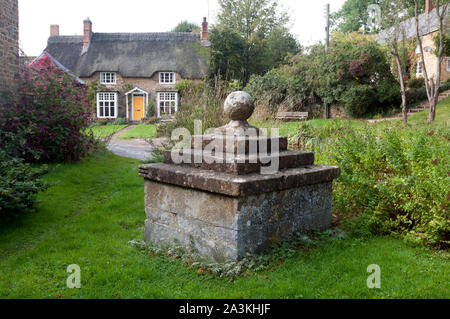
x: 35, y: 17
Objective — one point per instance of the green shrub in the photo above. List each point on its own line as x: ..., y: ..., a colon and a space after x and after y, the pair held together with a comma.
x: 120, y: 121
x: 359, y: 99
x: 394, y: 180
x: 416, y: 83
x: 444, y: 86
x: 19, y: 183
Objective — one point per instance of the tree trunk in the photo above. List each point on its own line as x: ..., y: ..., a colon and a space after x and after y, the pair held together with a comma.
x: 432, y: 114
x: 402, y: 86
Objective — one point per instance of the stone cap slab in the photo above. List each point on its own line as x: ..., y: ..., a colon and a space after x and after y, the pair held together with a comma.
x: 238, y: 186
x: 237, y: 164
x: 236, y: 144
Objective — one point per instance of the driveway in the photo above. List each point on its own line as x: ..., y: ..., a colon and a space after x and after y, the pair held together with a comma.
x: 138, y: 149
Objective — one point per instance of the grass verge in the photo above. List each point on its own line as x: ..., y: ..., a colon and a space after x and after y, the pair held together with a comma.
x: 94, y: 209
x: 140, y: 131
x: 105, y: 131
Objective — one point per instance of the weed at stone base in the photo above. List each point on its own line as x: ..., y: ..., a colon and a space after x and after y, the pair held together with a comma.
x: 251, y: 263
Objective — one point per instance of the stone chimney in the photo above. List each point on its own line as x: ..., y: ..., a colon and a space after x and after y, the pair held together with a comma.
x: 204, y: 35
x: 54, y: 30
x: 87, y: 33
x: 429, y: 6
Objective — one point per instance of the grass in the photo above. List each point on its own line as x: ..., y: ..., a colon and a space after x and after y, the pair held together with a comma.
x: 95, y: 207
x: 105, y: 131
x: 290, y: 128
x: 140, y: 131
x: 442, y: 114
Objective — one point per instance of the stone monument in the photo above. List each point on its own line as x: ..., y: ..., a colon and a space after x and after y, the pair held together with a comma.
x: 235, y: 191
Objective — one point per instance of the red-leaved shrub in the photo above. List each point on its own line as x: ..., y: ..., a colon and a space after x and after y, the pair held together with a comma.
x: 47, y: 121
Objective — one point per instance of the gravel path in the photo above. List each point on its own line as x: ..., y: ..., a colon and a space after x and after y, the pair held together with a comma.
x: 134, y: 148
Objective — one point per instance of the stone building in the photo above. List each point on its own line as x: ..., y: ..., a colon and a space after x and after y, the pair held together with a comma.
x: 9, y: 43
x: 428, y: 28
x: 136, y: 72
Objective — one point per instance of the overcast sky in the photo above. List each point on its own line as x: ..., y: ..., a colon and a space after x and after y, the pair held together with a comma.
x: 308, y: 22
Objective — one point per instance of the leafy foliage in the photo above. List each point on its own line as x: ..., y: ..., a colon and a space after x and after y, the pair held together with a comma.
x: 48, y: 122
x: 353, y: 15
x: 186, y: 26
x: 394, y: 180
x: 19, y: 183
x: 353, y: 62
x: 251, y: 38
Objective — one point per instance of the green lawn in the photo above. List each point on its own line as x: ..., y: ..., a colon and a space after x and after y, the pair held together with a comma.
x: 289, y: 128
x: 442, y: 114
x: 140, y: 131
x: 95, y: 207
x: 105, y: 131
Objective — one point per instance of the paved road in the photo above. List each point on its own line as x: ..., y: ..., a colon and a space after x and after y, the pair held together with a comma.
x: 135, y: 148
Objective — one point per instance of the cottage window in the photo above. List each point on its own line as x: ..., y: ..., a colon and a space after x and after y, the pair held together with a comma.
x: 166, y: 77
x: 167, y: 103
x: 107, y: 105
x: 419, y: 67
x: 447, y: 63
x: 107, y: 78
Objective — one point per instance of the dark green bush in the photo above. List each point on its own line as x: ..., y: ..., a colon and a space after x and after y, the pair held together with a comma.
x: 359, y: 99
x: 444, y: 86
x: 416, y: 83
x: 415, y: 96
x: 19, y: 184
x: 313, y: 77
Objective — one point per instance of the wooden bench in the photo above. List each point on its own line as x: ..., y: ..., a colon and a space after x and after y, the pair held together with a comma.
x: 292, y: 116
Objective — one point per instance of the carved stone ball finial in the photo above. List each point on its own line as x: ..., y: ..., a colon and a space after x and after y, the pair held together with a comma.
x: 239, y: 106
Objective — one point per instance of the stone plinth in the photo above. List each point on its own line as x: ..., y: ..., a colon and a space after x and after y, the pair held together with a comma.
x: 218, y: 202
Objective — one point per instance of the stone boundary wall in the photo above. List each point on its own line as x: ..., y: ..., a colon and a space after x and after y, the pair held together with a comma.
x: 9, y: 44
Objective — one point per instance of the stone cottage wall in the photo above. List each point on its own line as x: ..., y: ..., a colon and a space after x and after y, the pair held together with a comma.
x: 9, y: 43
x: 123, y: 85
x: 431, y: 59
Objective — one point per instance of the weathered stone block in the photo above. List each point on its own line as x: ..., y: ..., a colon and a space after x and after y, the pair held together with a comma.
x: 226, y: 209
x: 225, y: 227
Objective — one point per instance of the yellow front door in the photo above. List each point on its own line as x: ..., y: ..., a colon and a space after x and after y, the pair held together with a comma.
x: 138, y: 107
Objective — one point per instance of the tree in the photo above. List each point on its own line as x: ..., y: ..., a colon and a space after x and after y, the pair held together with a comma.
x: 227, y: 49
x: 185, y: 26
x: 392, y: 21
x: 258, y: 23
x: 432, y: 85
x: 354, y: 14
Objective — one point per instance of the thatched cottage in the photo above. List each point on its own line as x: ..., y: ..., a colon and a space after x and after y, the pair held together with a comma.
x: 136, y: 72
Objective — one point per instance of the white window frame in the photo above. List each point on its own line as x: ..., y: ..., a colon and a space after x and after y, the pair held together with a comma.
x: 419, y: 68
x: 447, y: 64
x: 166, y: 77
x: 107, y: 97
x: 108, y: 78
x: 166, y: 98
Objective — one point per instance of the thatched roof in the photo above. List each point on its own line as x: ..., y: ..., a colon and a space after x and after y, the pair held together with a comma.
x: 132, y: 54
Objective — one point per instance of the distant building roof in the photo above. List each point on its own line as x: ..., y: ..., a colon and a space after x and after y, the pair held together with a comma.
x: 45, y: 58
x: 132, y: 54
x: 428, y: 23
